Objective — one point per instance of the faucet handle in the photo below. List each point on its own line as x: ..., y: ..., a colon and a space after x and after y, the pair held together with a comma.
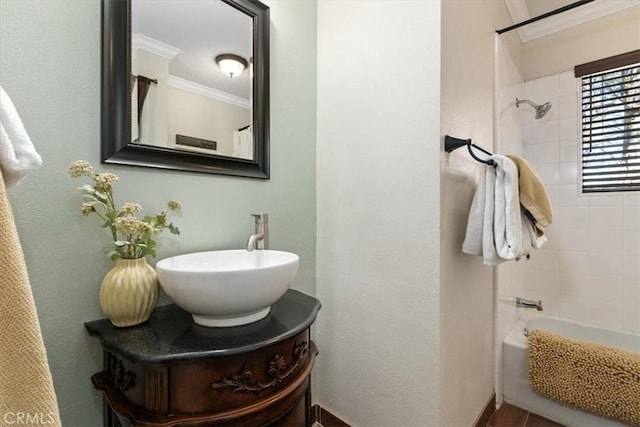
x: 263, y: 217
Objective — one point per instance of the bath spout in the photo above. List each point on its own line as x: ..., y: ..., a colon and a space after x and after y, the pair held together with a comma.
x: 527, y: 303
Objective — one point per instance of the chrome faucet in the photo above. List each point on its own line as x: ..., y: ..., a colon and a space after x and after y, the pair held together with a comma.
x: 527, y: 303
x: 260, y: 239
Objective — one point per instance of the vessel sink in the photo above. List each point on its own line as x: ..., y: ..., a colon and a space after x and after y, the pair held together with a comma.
x: 227, y: 287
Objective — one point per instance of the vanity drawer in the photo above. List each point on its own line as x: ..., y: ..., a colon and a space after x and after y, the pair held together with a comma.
x: 220, y: 384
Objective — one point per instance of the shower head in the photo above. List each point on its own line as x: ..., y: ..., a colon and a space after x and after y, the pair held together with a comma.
x: 541, y: 110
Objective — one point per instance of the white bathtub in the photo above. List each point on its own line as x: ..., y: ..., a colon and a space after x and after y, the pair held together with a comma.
x: 515, y: 367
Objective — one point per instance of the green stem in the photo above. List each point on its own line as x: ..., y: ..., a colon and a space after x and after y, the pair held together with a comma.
x: 112, y: 207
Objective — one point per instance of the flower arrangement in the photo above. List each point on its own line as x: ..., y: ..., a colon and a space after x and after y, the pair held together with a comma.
x: 132, y: 238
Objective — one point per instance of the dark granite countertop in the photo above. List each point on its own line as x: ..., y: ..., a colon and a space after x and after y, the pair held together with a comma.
x: 170, y: 333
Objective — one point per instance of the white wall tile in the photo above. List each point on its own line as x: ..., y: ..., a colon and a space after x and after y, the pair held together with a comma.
x: 567, y: 106
x: 631, y: 268
x: 631, y: 319
x: 631, y: 199
x: 631, y: 215
x: 541, y: 280
x: 568, y: 128
x: 569, y: 196
x: 605, y: 218
x: 574, y: 264
x: 572, y: 240
x: 605, y: 288
x: 553, y: 191
x: 542, y: 261
x: 590, y: 268
x: 605, y: 242
x: 605, y: 314
x: 542, y: 89
x: 546, y: 152
x: 605, y: 200
x: 572, y: 307
x: 546, y: 131
x: 631, y: 243
x: 568, y: 83
x: 572, y: 284
x: 569, y: 150
x: 571, y: 217
x: 527, y: 130
x: 549, y: 173
x: 631, y: 292
x: 606, y: 265
x: 568, y: 173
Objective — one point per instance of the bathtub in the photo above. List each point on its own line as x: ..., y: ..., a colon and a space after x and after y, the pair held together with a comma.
x: 517, y: 391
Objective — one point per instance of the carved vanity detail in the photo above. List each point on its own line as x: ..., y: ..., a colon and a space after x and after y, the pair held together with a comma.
x: 170, y: 371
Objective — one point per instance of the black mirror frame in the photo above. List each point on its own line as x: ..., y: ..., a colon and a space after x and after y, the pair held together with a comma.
x: 116, y: 100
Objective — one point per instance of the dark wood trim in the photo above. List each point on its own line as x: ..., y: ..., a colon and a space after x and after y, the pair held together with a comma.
x: 115, y: 147
x: 488, y: 410
x: 609, y: 63
x: 326, y: 418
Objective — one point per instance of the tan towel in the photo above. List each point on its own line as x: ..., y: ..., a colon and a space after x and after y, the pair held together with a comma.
x: 533, y: 195
x: 593, y: 377
x: 26, y: 386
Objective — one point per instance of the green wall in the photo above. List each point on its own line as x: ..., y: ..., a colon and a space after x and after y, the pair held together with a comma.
x: 50, y: 67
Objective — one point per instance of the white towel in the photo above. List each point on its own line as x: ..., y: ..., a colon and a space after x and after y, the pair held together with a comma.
x: 243, y: 143
x: 536, y: 235
x: 494, y: 227
x: 507, y: 220
x: 18, y: 156
x: 472, y: 244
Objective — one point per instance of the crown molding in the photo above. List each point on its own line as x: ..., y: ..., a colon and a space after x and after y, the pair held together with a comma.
x: 587, y: 12
x: 189, y: 86
x: 156, y: 47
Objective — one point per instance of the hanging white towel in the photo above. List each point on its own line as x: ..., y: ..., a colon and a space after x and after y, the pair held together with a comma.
x: 472, y: 244
x: 18, y: 156
x: 507, y: 221
x: 243, y: 143
x: 494, y: 227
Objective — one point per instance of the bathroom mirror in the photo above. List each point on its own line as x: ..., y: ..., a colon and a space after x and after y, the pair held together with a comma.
x: 168, y: 104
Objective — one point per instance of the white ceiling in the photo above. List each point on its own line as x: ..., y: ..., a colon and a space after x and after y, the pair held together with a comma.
x: 538, y: 7
x: 521, y: 10
x: 201, y: 30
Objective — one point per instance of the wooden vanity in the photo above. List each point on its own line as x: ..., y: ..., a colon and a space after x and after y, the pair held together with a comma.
x: 170, y: 371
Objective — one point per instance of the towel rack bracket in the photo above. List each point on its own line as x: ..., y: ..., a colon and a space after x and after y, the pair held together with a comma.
x: 451, y: 143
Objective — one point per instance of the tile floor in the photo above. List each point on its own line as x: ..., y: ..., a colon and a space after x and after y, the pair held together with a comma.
x: 512, y: 416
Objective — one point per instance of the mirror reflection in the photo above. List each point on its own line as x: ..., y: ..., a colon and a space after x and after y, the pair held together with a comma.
x: 191, y: 77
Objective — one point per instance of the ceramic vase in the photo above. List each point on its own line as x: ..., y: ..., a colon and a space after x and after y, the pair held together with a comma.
x: 129, y: 292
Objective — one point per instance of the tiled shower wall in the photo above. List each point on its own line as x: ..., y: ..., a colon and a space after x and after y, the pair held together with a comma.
x: 590, y: 269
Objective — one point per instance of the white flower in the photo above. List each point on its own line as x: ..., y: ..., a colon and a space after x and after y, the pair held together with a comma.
x: 80, y: 168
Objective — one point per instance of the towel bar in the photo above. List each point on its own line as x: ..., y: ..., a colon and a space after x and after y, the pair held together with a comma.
x: 451, y: 143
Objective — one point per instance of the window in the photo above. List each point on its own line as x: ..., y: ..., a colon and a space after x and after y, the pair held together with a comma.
x: 611, y: 123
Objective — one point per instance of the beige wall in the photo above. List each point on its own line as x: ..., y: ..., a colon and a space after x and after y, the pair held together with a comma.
x: 153, y: 123
x: 466, y: 300
x: 561, y: 51
x: 203, y: 117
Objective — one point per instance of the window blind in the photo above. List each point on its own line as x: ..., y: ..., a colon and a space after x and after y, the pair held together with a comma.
x: 611, y: 130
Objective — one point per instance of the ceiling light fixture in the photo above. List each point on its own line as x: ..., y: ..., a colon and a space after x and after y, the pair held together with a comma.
x: 230, y: 64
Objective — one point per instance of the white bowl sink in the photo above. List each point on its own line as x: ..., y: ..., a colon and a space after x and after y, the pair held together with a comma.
x: 229, y: 287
